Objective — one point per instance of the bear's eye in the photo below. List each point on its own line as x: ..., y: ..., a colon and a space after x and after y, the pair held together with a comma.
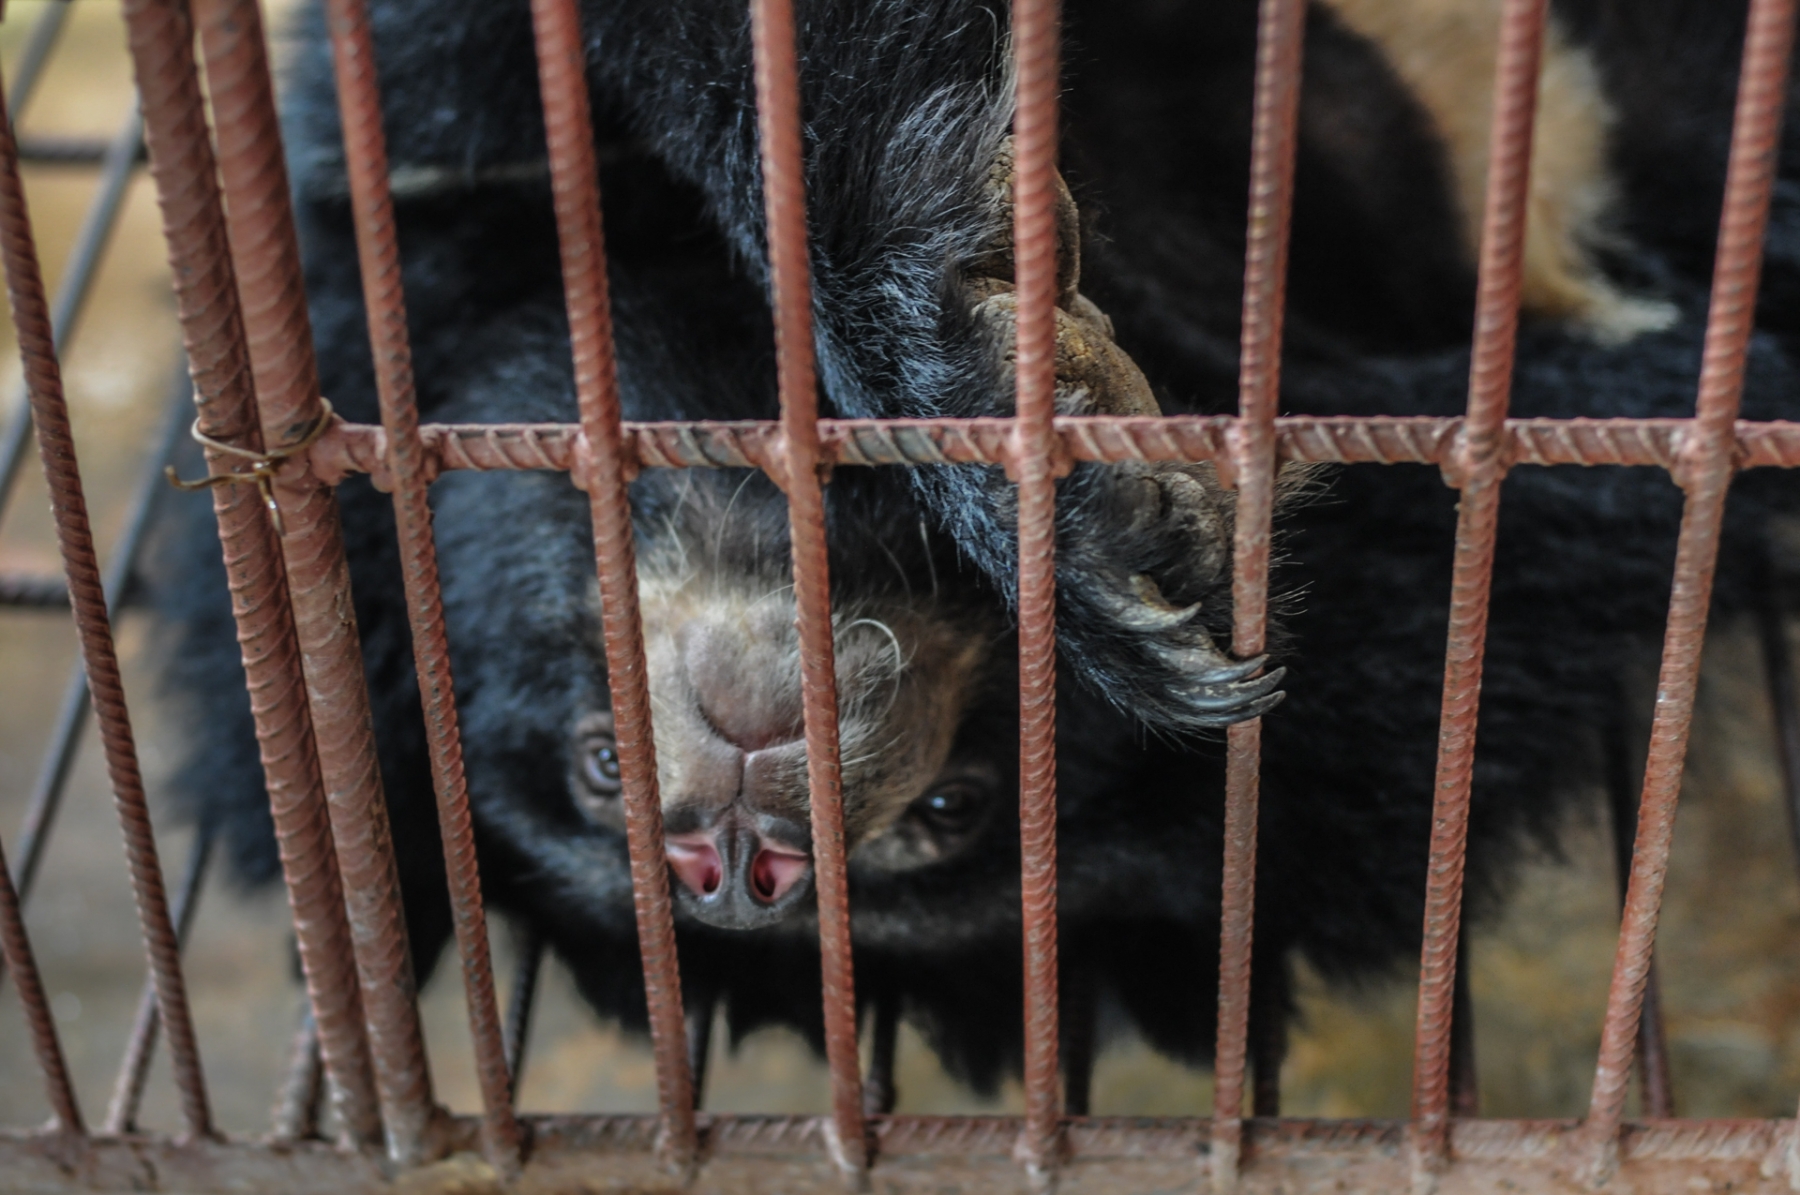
x: 952, y: 807
x: 600, y: 765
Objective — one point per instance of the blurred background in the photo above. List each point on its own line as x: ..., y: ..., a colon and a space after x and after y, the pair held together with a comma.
x: 1729, y: 950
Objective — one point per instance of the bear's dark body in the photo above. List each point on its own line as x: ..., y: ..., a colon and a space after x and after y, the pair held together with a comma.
x: 901, y: 100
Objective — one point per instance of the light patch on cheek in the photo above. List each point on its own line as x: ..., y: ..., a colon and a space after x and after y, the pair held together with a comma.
x: 898, y: 735
x: 1445, y: 51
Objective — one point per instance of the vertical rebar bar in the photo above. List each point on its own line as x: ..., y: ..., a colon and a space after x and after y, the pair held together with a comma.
x: 601, y: 471
x: 1465, y: 1082
x: 1477, y: 467
x: 1034, y: 466
x: 790, y: 283
x: 56, y: 449
x: 34, y: 57
x: 520, y: 1003
x: 1784, y: 700
x: 15, y: 946
x: 384, y: 298
x: 161, y: 38
x: 65, y: 735
x: 296, y: 1113
x: 702, y: 1009
x: 881, y: 1089
x: 140, y: 1048
x: 1704, y: 469
x: 72, y: 290
x: 265, y: 253
x: 1622, y: 787
x: 1279, y: 43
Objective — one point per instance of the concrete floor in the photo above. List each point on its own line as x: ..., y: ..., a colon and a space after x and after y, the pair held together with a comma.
x: 1730, y: 945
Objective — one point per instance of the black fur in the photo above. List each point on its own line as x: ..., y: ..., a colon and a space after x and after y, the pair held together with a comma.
x: 906, y: 106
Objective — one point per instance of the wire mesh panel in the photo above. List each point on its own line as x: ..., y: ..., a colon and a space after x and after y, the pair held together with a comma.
x: 275, y: 451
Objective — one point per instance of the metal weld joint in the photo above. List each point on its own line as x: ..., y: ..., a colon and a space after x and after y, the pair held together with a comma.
x: 1476, y: 456
x: 585, y: 463
x: 1016, y: 453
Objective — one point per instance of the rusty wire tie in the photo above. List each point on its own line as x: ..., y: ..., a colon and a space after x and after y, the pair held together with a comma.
x: 262, y: 464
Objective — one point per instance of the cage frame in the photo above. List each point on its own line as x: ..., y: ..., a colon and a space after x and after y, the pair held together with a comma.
x: 227, y: 219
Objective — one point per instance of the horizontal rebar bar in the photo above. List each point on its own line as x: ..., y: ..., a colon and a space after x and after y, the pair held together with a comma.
x: 1388, y: 440
x: 33, y: 591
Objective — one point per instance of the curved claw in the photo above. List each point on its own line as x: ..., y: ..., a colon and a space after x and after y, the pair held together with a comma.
x: 1230, y: 670
x: 1229, y: 697
x: 1255, y: 709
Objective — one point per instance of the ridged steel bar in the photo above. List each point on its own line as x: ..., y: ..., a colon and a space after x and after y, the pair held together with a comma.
x: 790, y: 284
x: 1704, y: 470
x: 1465, y: 1081
x: 1622, y: 789
x: 1034, y: 467
x: 1476, y: 466
x: 140, y: 1048
x: 65, y: 736
x: 880, y: 1088
x: 295, y: 1116
x: 29, y: 591
x: 1386, y: 440
x: 384, y: 298
x: 604, y: 471
x: 161, y: 39
x: 56, y: 450
x: 77, y: 280
x: 701, y: 1009
x: 34, y: 57
x: 15, y: 948
x: 265, y: 253
x: 932, y: 1155
x: 1280, y: 37
x: 63, y: 151
x: 520, y: 1003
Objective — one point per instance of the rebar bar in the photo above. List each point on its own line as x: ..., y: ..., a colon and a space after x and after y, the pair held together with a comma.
x: 1033, y: 467
x: 77, y: 280
x: 140, y: 1048
x: 160, y: 35
x: 1704, y: 470
x: 384, y: 298
x: 790, y: 284
x: 520, y: 1003
x: 56, y: 450
x: 1622, y: 787
x: 1476, y: 467
x: 15, y: 947
x: 602, y: 471
x: 296, y: 1113
x: 29, y: 591
x: 65, y: 736
x: 45, y: 32
x: 1275, y: 113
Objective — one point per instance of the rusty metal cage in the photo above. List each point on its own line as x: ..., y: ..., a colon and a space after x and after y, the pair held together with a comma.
x: 224, y: 199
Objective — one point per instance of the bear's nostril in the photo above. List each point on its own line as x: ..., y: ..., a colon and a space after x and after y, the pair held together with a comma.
x: 774, y: 873
x: 695, y: 862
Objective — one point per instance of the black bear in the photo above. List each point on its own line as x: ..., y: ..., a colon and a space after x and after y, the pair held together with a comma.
x: 906, y: 109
